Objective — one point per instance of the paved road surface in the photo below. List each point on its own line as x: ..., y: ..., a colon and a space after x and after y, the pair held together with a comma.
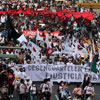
x: 97, y: 90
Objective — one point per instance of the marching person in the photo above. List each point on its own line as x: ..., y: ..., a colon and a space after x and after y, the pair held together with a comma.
x: 33, y: 91
x: 11, y: 78
x: 22, y: 74
x: 89, y: 91
x: 77, y: 92
x: 4, y: 92
x: 63, y: 91
x: 46, y: 89
x: 86, y: 81
x: 22, y: 90
x: 51, y: 86
x: 16, y: 83
x: 28, y: 83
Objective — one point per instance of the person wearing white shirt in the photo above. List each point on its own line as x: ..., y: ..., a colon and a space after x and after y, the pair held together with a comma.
x: 22, y: 90
x: 3, y: 19
x: 16, y: 71
x: 22, y: 74
x: 50, y: 83
x: 44, y: 86
x: 33, y: 91
x: 28, y: 83
x: 16, y: 83
x: 89, y: 91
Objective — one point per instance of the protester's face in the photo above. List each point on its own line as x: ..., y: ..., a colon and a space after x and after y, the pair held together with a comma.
x: 33, y: 84
x: 62, y: 84
x: 27, y: 80
x: 41, y: 99
x: 86, y: 75
x: 90, y: 84
x: 21, y: 70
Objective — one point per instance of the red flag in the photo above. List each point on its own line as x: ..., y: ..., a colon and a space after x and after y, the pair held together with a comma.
x: 50, y: 51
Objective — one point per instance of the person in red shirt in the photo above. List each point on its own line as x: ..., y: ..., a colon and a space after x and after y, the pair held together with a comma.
x: 11, y: 78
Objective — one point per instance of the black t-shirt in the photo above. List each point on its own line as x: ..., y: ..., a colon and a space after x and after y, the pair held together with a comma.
x: 47, y: 95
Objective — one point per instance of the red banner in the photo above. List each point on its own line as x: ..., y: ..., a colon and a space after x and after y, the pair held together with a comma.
x: 60, y: 14
x: 32, y: 34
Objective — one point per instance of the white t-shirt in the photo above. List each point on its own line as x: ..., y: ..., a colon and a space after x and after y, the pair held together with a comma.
x: 60, y: 89
x: 28, y: 84
x: 22, y: 75
x: 3, y: 19
x: 16, y: 83
x: 16, y: 73
x: 50, y: 86
x: 22, y: 88
x: 44, y: 86
x: 33, y: 89
x: 89, y: 89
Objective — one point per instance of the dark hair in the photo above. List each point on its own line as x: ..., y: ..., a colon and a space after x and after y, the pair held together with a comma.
x: 21, y: 81
x: 77, y: 85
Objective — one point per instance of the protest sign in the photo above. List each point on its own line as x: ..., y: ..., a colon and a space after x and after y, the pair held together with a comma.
x: 68, y: 73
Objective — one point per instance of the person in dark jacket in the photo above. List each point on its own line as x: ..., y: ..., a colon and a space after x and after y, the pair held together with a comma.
x: 86, y: 81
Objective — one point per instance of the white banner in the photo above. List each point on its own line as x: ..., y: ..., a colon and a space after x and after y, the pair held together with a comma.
x: 69, y: 73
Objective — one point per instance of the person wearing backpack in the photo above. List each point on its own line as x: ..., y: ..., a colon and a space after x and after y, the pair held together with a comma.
x: 46, y: 89
x: 89, y: 91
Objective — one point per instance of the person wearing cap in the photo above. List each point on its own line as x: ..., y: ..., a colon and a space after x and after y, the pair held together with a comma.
x: 16, y: 83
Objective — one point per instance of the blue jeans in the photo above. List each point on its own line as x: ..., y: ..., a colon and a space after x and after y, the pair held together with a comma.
x: 33, y: 97
x: 1, y: 9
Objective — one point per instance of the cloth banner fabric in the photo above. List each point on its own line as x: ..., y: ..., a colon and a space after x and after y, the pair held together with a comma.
x: 64, y: 13
x: 32, y: 34
x: 57, y: 73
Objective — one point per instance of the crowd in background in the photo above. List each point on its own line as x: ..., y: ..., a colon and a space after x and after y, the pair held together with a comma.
x: 85, y: 32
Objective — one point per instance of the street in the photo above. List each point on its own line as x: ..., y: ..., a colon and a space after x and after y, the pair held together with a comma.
x: 70, y: 87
